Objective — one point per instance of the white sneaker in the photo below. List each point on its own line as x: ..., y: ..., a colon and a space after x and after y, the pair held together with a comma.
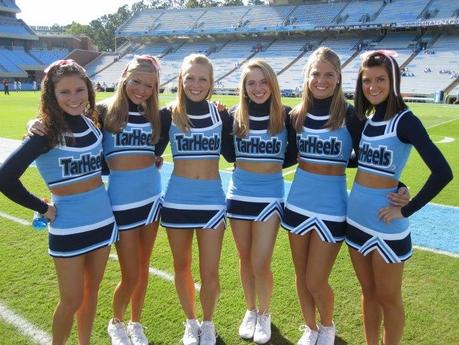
x: 117, y: 332
x: 191, y: 334
x: 135, y: 332
x: 207, y: 335
x: 326, y: 335
x: 309, y: 336
x: 247, y: 327
x: 262, y: 329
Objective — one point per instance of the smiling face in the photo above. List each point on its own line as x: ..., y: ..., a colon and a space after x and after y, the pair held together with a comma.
x: 257, y: 86
x: 375, y: 84
x: 71, y: 94
x: 196, y: 81
x: 140, y: 86
x: 322, y: 79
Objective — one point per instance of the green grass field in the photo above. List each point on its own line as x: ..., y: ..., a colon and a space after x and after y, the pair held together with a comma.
x: 431, y: 283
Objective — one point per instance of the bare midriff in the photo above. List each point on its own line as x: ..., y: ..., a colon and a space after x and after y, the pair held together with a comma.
x: 77, y: 187
x: 322, y: 169
x: 261, y: 168
x: 375, y: 181
x: 131, y: 162
x: 198, y: 169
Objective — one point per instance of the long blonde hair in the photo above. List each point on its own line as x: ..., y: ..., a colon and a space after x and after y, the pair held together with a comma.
x: 276, y: 115
x: 118, y: 109
x: 338, y: 105
x: 179, y: 115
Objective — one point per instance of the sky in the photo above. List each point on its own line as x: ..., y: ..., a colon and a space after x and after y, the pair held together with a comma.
x: 63, y: 12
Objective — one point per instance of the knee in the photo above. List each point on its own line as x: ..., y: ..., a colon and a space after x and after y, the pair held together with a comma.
x: 210, y: 278
x: 71, y: 303
x: 129, y: 279
x: 388, y: 299
x: 316, y: 286
x: 182, y: 266
x: 244, y: 257
x: 261, y: 268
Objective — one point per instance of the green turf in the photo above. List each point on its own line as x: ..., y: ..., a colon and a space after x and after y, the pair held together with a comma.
x: 28, y: 284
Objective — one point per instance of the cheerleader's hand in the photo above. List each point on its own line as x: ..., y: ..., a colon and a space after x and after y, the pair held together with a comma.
x: 220, y: 106
x: 51, y: 213
x: 159, y: 161
x: 399, y: 199
x: 390, y: 213
x: 35, y: 127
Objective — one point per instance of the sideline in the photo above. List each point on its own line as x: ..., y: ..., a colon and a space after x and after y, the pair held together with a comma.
x: 26, y: 328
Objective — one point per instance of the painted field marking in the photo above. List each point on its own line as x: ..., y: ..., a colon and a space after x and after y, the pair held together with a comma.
x: 445, y: 140
x: 163, y: 275
x: 442, y: 123
x: 153, y: 271
x: 25, y: 327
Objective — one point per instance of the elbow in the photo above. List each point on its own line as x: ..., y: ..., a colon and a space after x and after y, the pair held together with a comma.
x: 449, y: 176
x: 446, y: 176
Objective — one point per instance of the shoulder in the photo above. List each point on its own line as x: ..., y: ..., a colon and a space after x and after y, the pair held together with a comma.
x: 165, y: 114
x: 351, y: 116
x: 406, y: 119
x: 35, y: 145
x: 166, y: 111
x: 287, y: 110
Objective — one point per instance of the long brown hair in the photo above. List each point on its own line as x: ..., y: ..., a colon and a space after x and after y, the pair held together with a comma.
x: 338, y: 105
x: 395, y: 102
x: 276, y: 115
x: 50, y: 113
x: 179, y: 115
x: 118, y: 108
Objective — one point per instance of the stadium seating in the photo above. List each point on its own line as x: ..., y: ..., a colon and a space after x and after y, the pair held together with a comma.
x: 283, y: 35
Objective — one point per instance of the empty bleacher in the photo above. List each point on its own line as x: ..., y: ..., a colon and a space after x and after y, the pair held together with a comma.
x: 401, y: 11
x: 221, y: 19
x: 312, y: 15
x: 443, y: 9
x: 261, y: 17
x: 284, y: 35
x: 46, y: 56
x: 358, y: 11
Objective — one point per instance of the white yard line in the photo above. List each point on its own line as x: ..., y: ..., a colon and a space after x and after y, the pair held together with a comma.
x: 29, y: 330
x: 153, y: 271
x: 163, y: 275
x: 14, y: 219
x: 442, y: 123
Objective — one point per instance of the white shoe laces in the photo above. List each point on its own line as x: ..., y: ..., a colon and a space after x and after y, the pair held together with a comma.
x: 208, y: 332
x: 191, y: 331
x: 135, y: 331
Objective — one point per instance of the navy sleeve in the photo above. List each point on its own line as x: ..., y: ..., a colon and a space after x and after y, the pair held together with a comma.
x: 228, y: 150
x: 166, y: 119
x: 410, y: 130
x: 291, y: 153
x: 105, y: 168
x: 355, y: 127
x: 13, y: 168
